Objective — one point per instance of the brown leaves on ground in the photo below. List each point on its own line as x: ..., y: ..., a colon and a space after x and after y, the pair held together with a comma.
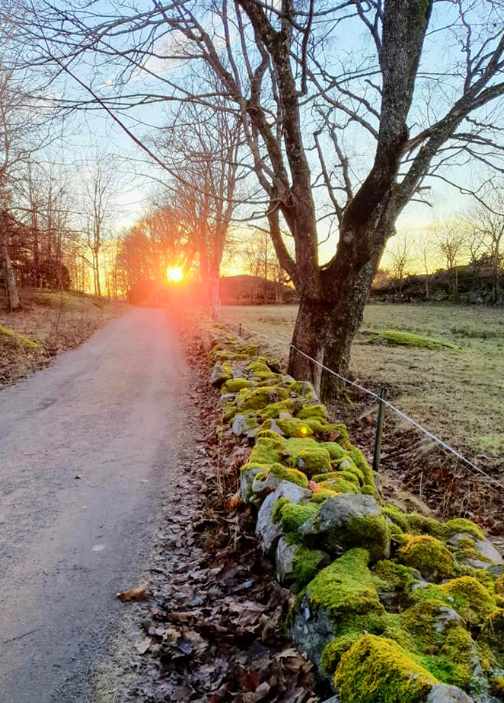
x: 137, y: 593
x: 213, y: 625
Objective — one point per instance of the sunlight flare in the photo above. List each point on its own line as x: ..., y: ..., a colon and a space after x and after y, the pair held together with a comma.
x: 174, y: 275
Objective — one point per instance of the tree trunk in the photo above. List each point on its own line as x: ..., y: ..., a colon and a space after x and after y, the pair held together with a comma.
x: 309, y: 337
x: 10, y: 277
x: 345, y: 321
x: 214, y: 294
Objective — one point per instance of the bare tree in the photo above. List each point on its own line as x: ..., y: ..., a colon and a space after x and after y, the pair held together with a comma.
x: 399, y: 254
x: 100, y: 185
x: 202, y: 146
x: 451, y: 236
x: 424, y: 250
x: 277, y: 75
x: 487, y: 228
x: 10, y: 153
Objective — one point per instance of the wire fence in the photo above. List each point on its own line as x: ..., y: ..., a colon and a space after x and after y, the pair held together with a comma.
x: 383, y: 403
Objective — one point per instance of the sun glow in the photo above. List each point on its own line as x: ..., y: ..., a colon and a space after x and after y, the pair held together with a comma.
x: 174, y: 275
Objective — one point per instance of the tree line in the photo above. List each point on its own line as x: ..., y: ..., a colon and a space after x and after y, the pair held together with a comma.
x: 299, y: 116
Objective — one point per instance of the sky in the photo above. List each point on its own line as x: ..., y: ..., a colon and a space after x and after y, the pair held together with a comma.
x: 138, y: 177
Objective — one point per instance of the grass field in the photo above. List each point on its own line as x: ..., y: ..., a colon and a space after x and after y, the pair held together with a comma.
x: 457, y: 394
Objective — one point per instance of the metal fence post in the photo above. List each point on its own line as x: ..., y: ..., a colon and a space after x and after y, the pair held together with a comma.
x: 240, y: 332
x: 379, y: 430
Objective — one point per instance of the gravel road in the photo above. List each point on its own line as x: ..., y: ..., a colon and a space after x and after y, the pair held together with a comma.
x: 109, y: 413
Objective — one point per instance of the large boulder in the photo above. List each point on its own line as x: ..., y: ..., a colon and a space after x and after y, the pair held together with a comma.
x: 348, y: 520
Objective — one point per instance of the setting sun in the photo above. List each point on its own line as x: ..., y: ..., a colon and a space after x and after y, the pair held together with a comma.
x: 174, y: 275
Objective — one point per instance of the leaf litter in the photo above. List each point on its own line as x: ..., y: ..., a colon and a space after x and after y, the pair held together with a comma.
x: 212, y: 626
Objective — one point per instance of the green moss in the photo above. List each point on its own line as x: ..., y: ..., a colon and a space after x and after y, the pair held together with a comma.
x: 371, y: 532
x: 444, y: 647
x: 313, y: 412
x: 336, y: 452
x: 407, y: 339
x: 378, y: 669
x: 360, y: 462
x: 339, y: 485
x: 234, y: 385
x: 346, y: 586
x: 259, y: 398
x: 320, y: 495
x: 430, y: 556
x: 260, y: 369
x: 315, y: 460
x: 493, y: 634
x: 292, y: 428
x: 268, y: 449
x: 19, y: 339
x: 302, y: 388
x: 334, y: 650
x: 274, y: 410
x: 417, y: 524
x: 292, y: 515
x: 229, y: 411
x: 458, y: 525
x: 397, y: 517
x: 284, y: 474
x: 392, y: 577
x: 466, y: 595
x: 306, y: 563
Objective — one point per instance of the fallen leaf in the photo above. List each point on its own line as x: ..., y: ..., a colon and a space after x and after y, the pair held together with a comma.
x: 143, y: 645
x: 138, y: 593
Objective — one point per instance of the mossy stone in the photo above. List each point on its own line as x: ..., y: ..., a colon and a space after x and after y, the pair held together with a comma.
x: 378, y: 669
x: 315, y: 460
x: 429, y: 555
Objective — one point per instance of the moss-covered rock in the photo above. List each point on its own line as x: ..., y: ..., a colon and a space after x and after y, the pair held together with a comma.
x: 291, y: 516
x: 396, y: 338
x: 441, y: 642
x: 290, y: 428
x: 345, y: 587
x: 378, y: 669
x: 472, y: 601
x: 267, y: 480
x: 306, y: 563
x: 19, y: 339
x: 314, y: 460
x: 234, y: 385
x: 340, y: 483
x: 429, y: 556
x: 276, y: 409
x: 313, y: 412
x: 259, y: 398
x: 348, y: 520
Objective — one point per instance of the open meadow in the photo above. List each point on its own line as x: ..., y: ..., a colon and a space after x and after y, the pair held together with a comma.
x: 458, y: 394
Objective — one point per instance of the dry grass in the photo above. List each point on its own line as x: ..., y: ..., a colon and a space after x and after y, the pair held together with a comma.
x: 457, y: 394
x: 56, y: 321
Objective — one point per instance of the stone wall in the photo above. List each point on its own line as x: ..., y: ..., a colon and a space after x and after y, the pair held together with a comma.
x: 389, y: 606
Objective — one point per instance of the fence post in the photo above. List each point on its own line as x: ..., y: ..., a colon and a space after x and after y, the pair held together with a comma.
x: 379, y: 430
x: 240, y: 333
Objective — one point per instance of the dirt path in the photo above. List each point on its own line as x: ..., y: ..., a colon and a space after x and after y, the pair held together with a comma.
x: 109, y: 412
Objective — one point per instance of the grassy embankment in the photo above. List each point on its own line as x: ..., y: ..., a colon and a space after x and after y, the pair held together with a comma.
x: 457, y: 393
x: 48, y: 324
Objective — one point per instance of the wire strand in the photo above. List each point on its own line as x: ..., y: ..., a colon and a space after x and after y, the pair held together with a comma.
x: 392, y: 407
